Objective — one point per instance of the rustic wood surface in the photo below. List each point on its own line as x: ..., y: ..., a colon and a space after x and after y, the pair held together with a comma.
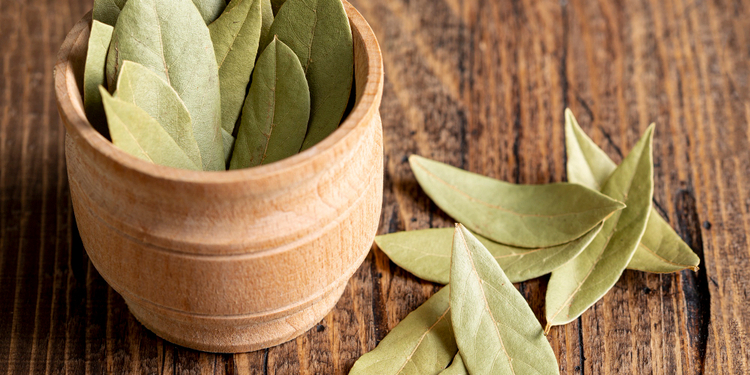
x: 480, y: 84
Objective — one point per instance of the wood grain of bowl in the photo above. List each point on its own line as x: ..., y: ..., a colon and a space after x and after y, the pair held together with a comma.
x: 228, y: 261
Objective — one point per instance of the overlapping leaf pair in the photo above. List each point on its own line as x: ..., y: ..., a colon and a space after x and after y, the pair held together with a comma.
x: 586, y: 233
x: 188, y: 65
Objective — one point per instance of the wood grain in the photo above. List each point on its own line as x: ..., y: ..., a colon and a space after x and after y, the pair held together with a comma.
x: 478, y: 84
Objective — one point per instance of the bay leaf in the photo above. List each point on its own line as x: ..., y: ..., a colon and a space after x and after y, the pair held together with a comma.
x: 495, y: 329
x: 274, y: 117
x: 107, y: 11
x: 266, y: 11
x: 578, y: 284
x: 518, y: 215
x: 661, y: 249
x: 210, y: 10
x: 422, y: 343
x: 93, y: 75
x: 318, y: 32
x: 456, y: 368
x: 171, y: 39
x: 137, y: 133
x: 427, y: 254
x: 228, y: 141
x: 276, y: 5
x: 144, y: 88
x: 235, y: 36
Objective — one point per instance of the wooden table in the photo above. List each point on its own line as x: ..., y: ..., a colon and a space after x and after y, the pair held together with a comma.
x: 478, y: 84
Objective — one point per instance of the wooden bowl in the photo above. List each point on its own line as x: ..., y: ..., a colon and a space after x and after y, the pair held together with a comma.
x: 228, y: 261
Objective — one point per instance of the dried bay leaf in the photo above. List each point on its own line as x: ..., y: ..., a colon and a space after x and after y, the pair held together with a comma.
x: 422, y: 343
x: 235, y: 36
x: 518, y: 215
x: 578, y: 284
x: 456, y: 368
x: 318, y: 32
x: 266, y: 11
x: 228, y: 141
x: 275, y: 114
x: 210, y: 10
x: 94, y: 76
x: 171, y: 39
x: 427, y: 254
x: 661, y: 249
x: 495, y: 329
x: 107, y: 11
x: 137, y: 133
x: 142, y: 87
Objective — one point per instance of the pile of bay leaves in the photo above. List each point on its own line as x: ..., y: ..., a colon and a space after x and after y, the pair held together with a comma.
x: 206, y: 85
x: 585, y: 233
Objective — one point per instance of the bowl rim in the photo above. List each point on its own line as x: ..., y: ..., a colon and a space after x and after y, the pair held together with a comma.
x: 83, y: 133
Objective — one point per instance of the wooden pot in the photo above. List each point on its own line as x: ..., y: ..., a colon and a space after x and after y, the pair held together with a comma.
x: 228, y: 261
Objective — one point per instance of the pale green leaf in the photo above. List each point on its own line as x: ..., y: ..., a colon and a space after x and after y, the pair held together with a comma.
x: 266, y: 11
x: 456, y: 368
x: 276, y: 5
x: 171, y: 39
x: 422, y: 343
x: 137, y: 133
x: 93, y: 75
x: 228, y: 141
x: 276, y: 110
x: 107, y: 11
x: 495, y: 329
x: 661, y: 249
x: 318, y: 32
x: 578, y: 284
x: 518, y: 215
x: 235, y: 36
x: 142, y: 87
x: 210, y: 10
x: 427, y: 254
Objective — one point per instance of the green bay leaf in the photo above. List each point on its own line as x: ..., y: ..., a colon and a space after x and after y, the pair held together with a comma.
x: 456, y: 368
x: 318, y: 32
x: 137, y: 133
x: 427, y: 254
x: 274, y: 117
x: 210, y: 10
x: 266, y: 11
x: 107, y: 11
x: 578, y: 284
x: 228, y: 141
x: 94, y: 75
x: 235, y: 36
x: 661, y: 249
x: 422, y: 343
x: 144, y: 88
x: 171, y: 39
x: 518, y: 215
x: 495, y: 329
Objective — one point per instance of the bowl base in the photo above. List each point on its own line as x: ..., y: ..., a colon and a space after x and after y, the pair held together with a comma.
x: 233, y: 335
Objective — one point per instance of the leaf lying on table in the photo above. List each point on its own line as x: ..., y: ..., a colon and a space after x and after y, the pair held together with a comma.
x: 107, y: 11
x: 140, y: 86
x: 137, y: 133
x: 518, y: 215
x: 427, y: 254
x: 661, y: 249
x: 422, y: 343
x: 495, y: 329
x: 318, y: 32
x: 274, y: 117
x: 171, y: 39
x: 578, y: 284
x: 456, y: 368
x: 93, y: 75
x: 235, y: 36
x: 210, y: 10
